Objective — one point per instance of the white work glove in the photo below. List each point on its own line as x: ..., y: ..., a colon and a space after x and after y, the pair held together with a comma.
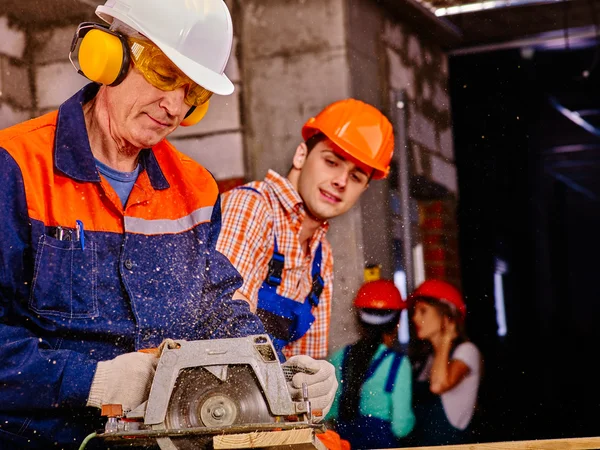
x: 126, y: 380
x: 319, y: 375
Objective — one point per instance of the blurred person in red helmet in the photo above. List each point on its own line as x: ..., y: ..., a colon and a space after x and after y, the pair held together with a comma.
x: 447, y: 365
x: 274, y: 231
x: 373, y: 407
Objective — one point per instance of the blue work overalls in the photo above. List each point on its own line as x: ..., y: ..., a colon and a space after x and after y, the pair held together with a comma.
x: 367, y: 431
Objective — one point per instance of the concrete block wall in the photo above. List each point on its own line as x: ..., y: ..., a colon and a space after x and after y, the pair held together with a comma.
x: 294, y: 63
x: 363, y: 23
x: 15, y: 91
x: 420, y: 68
x: 55, y: 79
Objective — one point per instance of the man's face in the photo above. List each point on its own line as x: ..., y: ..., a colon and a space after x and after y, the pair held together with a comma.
x: 331, y: 181
x: 141, y: 114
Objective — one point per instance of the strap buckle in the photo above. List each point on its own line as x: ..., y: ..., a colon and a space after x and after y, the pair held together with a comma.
x: 317, y: 289
x: 275, y: 269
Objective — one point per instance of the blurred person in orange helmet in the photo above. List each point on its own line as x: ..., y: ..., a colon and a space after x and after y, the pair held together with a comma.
x: 373, y: 407
x: 447, y: 365
x: 274, y: 230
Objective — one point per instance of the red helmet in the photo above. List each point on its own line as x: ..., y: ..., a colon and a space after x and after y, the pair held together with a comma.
x: 379, y: 294
x: 442, y: 291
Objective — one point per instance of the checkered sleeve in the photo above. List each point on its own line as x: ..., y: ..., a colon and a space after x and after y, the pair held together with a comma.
x: 244, y: 238
x: 316, y: 341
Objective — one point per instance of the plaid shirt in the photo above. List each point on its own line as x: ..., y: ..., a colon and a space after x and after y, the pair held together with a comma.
x: 249, y: 221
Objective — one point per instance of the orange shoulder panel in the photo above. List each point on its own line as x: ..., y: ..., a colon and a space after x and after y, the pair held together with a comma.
x: 52, y: 197
x: 191, y: 186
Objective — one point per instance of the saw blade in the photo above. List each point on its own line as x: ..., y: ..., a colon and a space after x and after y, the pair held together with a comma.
x: 201, y: 399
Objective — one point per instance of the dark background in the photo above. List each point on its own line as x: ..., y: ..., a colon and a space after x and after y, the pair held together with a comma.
x: 529, y: 184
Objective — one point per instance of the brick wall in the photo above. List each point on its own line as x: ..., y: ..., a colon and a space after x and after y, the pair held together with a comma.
x: 438, y: 230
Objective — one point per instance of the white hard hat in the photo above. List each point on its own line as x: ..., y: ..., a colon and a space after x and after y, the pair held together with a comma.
x: 196, y: 35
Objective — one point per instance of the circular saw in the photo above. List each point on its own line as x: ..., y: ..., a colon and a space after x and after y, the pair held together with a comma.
x: 210, y: 387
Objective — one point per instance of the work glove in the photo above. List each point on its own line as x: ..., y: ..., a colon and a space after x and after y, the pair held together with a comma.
x: 319, y: 375
x: 126, y: 379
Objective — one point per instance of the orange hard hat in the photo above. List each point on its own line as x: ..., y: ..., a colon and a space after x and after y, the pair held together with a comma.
x: 441, y: 291
x: 359, y: 129
x: 379, y: 294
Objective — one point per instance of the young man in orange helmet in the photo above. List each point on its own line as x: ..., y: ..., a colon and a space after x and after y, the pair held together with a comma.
x: 274, y: 230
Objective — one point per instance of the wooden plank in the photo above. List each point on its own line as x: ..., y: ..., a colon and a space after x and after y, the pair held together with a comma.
x: 301, y: 439
x: 590, y: 443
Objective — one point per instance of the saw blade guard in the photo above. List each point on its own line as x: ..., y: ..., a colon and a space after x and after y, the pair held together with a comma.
x: 219, y: 382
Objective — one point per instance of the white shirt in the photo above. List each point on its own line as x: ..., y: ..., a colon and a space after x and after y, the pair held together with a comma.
x: 459, y: 402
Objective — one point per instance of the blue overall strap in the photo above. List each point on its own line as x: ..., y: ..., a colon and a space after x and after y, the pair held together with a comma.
x: 277, y: 261
x: 248, y: 188
x: 345, y: 368
x: 285, y: 319
x: 275, y: 266
x: 376, y: 363
x: 305, y: 316
x: 317, y: 284
x: 389, y: 385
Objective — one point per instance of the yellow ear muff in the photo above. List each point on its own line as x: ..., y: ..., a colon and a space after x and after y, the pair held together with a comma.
x: 196, y: 116
x: 101, y: 57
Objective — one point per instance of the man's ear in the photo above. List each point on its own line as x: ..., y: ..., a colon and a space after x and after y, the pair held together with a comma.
x: 300, y: 156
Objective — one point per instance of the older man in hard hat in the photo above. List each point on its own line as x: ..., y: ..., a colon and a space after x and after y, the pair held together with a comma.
x: 109, y: 234
x: 274, y: 230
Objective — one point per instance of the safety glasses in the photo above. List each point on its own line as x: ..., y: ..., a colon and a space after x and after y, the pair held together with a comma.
x: 161, y: 73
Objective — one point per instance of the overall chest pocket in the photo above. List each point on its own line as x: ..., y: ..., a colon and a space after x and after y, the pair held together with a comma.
x: 65, y: 279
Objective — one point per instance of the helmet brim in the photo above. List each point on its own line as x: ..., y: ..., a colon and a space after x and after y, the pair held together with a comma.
x: 379, y: 172
x: 208, y: 79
